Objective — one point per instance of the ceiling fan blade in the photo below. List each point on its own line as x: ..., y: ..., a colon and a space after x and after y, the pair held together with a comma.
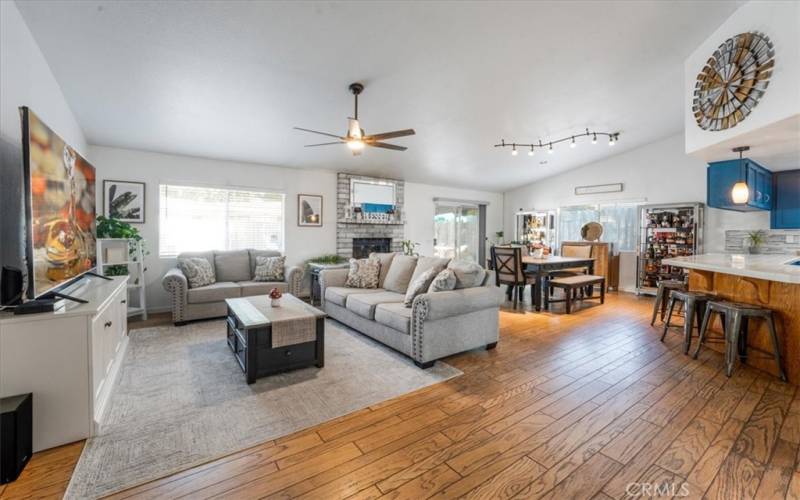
x: 386, y: 146
x: 323, y: 144
x: 317, y: 132
x: 390, y: 135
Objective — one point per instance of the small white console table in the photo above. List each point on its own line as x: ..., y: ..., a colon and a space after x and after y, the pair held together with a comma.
x: 69, y: 359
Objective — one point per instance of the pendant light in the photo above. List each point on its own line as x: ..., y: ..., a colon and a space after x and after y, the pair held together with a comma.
x: 740, y: 193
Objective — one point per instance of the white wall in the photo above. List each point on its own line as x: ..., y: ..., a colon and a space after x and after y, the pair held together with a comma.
x: 25, y: 80
x: 301, y: 242
x: 659, y: 172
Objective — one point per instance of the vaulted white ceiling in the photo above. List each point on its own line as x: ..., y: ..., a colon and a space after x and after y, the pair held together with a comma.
x: 230, y: 79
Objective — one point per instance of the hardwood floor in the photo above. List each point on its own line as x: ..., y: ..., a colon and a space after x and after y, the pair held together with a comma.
x: 587, y: 405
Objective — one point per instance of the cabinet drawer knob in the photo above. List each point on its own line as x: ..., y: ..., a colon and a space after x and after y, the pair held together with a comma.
x: 108, y: 324
x: 288, y: 353
x: 123, y: 301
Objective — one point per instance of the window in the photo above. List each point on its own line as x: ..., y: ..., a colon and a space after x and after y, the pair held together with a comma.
x: 201, y: 218
x: 618, y: 220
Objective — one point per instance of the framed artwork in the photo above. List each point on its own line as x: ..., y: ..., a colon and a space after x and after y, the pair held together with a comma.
x: 309, y: 210
x: 124, y: 200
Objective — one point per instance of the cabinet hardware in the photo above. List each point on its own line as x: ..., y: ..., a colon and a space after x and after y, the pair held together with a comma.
x: 123, y: 301
x: 108, y: 324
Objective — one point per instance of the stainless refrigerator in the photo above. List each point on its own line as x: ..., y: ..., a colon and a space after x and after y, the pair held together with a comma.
x: 666, y: 230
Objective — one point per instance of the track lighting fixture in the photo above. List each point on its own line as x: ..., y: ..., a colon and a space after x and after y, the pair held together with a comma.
x: 613, y: 137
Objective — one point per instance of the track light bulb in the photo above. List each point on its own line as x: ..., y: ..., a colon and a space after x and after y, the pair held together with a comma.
x: 514, y: 151
x: 611, y: 140
x: 594, y: 138
x: 550, y: 149
x: 530, y: 153
x: 572, y: 144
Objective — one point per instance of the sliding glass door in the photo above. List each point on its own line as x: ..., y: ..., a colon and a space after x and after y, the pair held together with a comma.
x: 457, y: 231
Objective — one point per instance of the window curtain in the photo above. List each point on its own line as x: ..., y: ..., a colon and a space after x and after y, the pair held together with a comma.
x: 619, y: 222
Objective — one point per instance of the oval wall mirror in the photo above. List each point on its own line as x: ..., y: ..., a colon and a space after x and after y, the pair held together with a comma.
x: 591, y: 231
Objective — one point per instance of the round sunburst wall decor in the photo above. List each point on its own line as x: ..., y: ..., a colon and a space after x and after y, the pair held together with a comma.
x: 733, y: 80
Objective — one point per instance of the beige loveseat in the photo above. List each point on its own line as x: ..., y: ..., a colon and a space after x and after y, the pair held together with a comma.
x: 437, y: 325
x: 234, y: 270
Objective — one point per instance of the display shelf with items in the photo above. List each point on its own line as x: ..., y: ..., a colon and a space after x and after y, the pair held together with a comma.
x: 536, y: 230
x: 666, y: 231
x: 123, y: 256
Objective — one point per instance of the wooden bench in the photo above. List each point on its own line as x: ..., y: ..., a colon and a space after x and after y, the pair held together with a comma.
x: 578, y: 287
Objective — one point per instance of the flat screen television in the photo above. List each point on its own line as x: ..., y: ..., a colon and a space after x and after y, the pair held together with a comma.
x: 60, y: 209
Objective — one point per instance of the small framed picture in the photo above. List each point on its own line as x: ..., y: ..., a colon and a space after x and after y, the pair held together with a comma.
x: 309, y: 210
x: 124, y: 200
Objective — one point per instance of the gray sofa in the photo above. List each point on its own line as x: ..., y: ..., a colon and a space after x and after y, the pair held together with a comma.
x: 234, y: 271
x: 437, y: 325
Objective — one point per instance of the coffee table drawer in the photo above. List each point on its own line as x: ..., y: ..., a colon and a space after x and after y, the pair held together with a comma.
x: 288, y: 355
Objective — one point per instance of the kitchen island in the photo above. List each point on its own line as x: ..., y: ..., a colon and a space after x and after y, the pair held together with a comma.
x: 771, y: 281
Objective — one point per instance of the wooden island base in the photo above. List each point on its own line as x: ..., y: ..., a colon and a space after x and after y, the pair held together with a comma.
x: 783, y: 298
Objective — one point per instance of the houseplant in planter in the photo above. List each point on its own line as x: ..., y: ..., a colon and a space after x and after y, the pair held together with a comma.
x: 756, y: 240
x: 108, y: 227
x: 275, y: 297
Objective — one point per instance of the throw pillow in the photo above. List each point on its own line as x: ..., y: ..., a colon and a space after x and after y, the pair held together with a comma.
x: 418, y: 286
x: 468, y: 274
x: 425, y: 263
x: 269, y: 268
x: 363, y: 273
x: 198, y: 271
x: 443, y: 282
x: 385, y: 260
x: 400, y: 272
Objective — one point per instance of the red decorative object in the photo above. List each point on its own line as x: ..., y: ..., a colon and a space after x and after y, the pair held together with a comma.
x: 275, y: 294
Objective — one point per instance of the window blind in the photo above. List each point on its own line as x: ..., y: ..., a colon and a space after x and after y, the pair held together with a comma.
x: 195, y: 218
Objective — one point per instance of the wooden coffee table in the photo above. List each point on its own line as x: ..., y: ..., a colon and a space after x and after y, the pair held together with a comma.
x: 266, y: 340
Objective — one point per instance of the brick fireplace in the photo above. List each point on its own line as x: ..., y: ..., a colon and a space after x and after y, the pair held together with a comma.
x: 362, y: 247
x: 354, y: 238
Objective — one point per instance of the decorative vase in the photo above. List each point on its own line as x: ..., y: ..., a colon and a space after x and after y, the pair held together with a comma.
x: 275, y: 302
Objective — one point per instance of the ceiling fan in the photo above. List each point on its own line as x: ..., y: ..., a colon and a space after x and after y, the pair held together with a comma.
x: 356, y: 139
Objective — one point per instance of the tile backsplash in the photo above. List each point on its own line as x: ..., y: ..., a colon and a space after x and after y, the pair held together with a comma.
x: 778, y: 241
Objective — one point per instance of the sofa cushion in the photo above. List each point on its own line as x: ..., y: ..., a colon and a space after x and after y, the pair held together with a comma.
x: 232, y: 265
x: 199, y: 271
x: 400, y: 272
x: 338, y: 294
x: 220, y: 290
x: 468, y: 274
x: 250, y: 288
x: 270, y: 268
x: 259, y: 253
x: 394, y: 315
x: 386, y: 261
x: 426, y: 263
x: 364, y: 304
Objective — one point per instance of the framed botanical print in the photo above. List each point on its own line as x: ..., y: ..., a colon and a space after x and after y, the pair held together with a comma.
x: 124, y: 200
x: 309, y: 210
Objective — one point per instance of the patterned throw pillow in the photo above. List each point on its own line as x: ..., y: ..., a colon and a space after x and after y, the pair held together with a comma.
x: 419, y: 286
x: 443, y: 282
x: 363, y: 273
x: 269, y: 268
x: 198, y: 271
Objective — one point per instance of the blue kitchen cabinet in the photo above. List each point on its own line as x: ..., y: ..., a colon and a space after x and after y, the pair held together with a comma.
x: 786, y: 207
x: 722, y: 175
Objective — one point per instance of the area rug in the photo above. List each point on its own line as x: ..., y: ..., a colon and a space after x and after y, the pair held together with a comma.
x: 181, y: 400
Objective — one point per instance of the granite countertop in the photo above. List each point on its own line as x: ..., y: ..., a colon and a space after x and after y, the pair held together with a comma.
x: 772, y: 267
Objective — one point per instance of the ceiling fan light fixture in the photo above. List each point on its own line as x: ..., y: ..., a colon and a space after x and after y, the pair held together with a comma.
x: 355, y: 144
x: 354, y: 130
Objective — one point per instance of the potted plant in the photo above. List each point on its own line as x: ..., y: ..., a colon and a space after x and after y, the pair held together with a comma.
x: 108, y: 227
x: 756, y: 240
x: 275, y: 297
x: 409, y: 247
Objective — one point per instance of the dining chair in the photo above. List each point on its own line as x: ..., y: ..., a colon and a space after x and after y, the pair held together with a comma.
x: 509, y: 270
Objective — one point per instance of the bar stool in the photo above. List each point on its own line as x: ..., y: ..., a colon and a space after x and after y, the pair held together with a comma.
x: 694, y: 307
x: 663, y: 293
x: 736, y: 317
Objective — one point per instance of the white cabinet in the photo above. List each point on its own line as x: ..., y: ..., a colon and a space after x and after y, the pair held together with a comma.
x: 69, y: 359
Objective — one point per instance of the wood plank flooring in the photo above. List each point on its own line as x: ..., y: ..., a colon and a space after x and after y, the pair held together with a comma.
x: 587, y: 405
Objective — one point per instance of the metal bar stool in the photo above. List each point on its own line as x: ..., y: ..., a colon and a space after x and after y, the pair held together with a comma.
x: 736, y: 318
x: 694, y: 307
x: 662, y: 295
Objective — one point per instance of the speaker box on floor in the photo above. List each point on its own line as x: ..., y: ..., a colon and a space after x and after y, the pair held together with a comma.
x: 16, y: 435
x: 10, y: 286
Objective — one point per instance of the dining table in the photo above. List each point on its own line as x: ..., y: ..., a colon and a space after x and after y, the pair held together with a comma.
x: 541, y: 267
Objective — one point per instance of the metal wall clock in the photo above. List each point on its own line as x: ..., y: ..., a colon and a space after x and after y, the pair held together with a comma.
x: 733, y: 80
